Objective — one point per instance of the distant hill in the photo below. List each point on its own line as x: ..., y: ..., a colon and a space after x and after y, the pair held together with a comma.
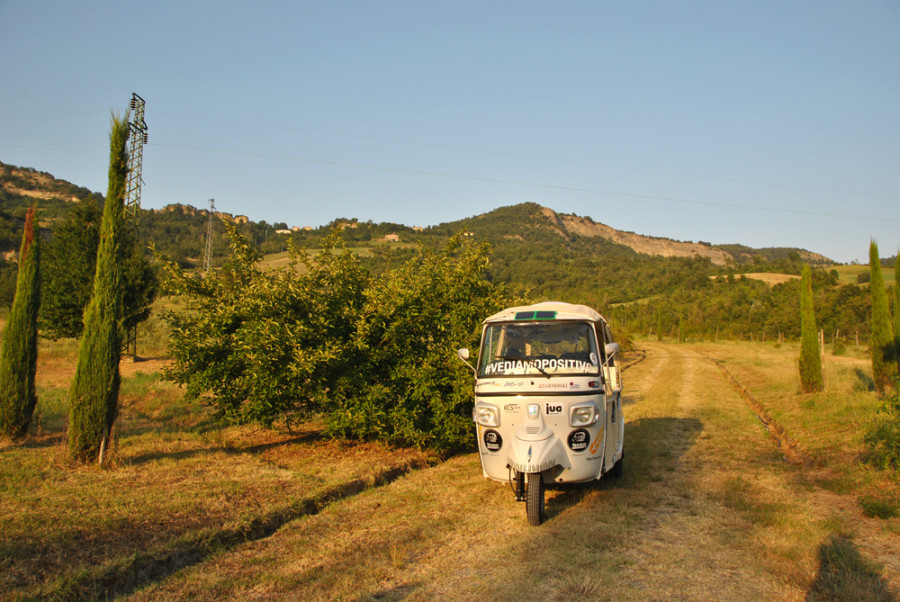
x: 643, y: 284
x: 545, y: 253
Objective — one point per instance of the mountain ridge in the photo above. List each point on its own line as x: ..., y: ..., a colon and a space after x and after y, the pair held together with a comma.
x: 28, y: 183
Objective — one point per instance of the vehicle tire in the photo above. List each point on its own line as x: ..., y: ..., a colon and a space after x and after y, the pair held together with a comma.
x: 534, y: 502
x: 618, y: 468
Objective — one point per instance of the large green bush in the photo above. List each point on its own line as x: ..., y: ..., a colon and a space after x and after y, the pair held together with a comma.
x: 267, y: 345
x: 414, y: 390
x: 376, y: 356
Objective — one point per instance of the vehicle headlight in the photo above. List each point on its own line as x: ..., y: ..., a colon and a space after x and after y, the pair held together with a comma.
x: 487, y: 415
x: 584, y: 415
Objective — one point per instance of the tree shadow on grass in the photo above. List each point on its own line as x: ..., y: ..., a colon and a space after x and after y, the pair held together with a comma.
x: 865, y: 380
x: 653, y: 446
x: 252, y: 449
x: 845, y: 575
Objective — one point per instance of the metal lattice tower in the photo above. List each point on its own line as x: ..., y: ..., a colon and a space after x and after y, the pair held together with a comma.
x: 137, y: 137
x: 207, y: 254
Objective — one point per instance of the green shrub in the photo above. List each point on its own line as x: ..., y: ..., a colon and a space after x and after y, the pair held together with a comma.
x: 883, y: 438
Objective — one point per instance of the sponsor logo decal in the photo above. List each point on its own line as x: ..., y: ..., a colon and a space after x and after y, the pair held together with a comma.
x: 511, y: 407
x: 579, y: 440
x: 553, y: 409
x: 492, y: 440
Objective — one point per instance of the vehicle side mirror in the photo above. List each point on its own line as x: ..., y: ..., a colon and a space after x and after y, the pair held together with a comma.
x: 463, y: 354
x: 612, y: 349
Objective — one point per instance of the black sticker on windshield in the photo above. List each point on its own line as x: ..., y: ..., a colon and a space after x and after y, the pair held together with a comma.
x: 492, y: 440
x: 579, y: 440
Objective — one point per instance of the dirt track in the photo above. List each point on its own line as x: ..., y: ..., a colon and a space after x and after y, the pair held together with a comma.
x: 709, y: 509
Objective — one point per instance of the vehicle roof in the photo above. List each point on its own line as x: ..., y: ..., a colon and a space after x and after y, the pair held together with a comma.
x: 564, y: 311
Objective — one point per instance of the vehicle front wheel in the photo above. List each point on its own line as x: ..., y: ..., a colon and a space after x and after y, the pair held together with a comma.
x: 534, y: 502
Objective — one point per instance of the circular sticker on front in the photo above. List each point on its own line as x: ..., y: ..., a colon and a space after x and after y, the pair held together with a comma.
x: 579, y: 440
x: 492, y: 440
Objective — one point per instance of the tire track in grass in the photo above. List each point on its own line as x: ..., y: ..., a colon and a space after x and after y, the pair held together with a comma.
x: 790, y: 448
x: 124, y: 576
x: 864, y: 532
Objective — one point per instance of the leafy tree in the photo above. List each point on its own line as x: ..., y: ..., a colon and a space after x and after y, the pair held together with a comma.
x: 884, y: 367
x: 810, y: 362
x: 263, y: 345
x: 413, y: 389
x: 377, y: 356
x: 71, y: 261
x: 18, y: 360
x: 94, y: 395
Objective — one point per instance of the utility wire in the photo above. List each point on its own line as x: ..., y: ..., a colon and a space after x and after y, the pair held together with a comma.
x: 526, y: 156
x: 523, y: 183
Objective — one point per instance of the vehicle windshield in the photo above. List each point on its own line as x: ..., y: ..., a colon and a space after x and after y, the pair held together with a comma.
x: 539, y: 348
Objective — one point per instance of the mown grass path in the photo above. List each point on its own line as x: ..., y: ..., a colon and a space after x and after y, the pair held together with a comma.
x: 709, y: 509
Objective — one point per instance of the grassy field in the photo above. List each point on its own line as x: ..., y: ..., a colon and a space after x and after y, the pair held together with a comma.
x: 849, y: 273
x: 710, y: 507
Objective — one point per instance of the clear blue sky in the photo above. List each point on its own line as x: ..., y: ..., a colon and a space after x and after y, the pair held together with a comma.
x: 765, y: 123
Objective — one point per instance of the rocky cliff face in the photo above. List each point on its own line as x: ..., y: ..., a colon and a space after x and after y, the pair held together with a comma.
x: 647, y: 245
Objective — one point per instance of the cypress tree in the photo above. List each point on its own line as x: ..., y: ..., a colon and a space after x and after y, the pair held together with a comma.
x: 93, y: 398
x: 882, y: 342
x: 810, y: 362
x: 18, y: 359
x: 897, y: 310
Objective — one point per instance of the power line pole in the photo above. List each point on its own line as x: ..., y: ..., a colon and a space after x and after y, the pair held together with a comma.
x: 137, y: 138
x: 207, y: 254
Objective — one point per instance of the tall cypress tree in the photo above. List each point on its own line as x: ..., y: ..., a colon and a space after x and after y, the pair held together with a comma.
x: 810, y: 362
x: 18, y: 359
x: 94, y: 396
x: 897, y: 310
x: 884, y: 367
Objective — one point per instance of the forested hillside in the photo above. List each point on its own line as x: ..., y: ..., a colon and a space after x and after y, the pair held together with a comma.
x: 645, y: 285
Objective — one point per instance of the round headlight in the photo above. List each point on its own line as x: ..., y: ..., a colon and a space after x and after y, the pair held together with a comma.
x: 486, y: 415
x: 584, y: 416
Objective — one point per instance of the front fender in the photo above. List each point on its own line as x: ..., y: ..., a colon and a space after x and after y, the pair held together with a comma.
x: 537, y: 456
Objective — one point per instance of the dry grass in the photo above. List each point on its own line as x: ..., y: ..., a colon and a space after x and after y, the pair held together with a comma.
x: 707, y: 509
x: 771, y: 278
x: 180, y: 481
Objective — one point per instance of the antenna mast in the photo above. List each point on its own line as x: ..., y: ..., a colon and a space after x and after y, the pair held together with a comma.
x: 137, y: 137
x: 207, y: 255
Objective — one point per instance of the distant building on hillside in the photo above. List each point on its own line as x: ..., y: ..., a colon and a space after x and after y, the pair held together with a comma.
x: 241, y: 219
x: 391, y: 237
x: 283, y: 231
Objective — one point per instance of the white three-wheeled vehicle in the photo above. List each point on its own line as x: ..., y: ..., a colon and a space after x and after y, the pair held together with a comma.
x: 548, y: 399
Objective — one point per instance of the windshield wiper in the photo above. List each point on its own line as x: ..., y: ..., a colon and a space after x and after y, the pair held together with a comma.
x: 533, y: 363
